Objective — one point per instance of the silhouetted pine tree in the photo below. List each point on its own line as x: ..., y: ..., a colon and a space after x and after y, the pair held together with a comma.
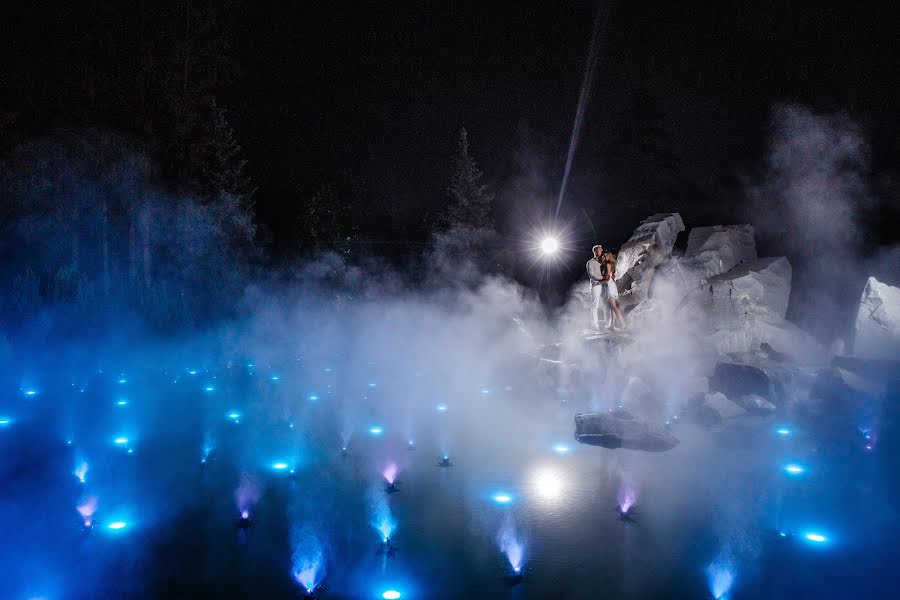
x: 222, y: 169
x: 470, y: 203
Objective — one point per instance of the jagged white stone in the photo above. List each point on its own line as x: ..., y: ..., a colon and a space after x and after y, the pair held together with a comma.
x: 649, y: 245
x: 761, y: 288
x: 711, y: 251
x: 877, y: 330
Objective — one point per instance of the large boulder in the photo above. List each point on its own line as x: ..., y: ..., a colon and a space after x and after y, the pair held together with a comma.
x: 621, y: 430
x: 715, y: 250
x: 760, y: 288
x: 877, y: 330
x: 649, y: 245
x: 739, y: 381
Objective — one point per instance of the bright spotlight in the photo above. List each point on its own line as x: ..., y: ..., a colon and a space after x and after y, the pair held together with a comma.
x: 501, y: 498
x: 817, y: 538
x: 391, y: 595
x: 548, y: 485
x: 116, y: 525
x: 549, y: 245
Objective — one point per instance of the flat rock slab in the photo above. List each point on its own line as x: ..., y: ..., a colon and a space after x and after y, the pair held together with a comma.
x: 621, y: 430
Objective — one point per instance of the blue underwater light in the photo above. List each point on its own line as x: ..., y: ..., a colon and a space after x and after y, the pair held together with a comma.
x: 815, y: 537
x: 794, y: 470
x: 391, y: 595
x: 502, y: 498
x: 376, y: 430
x: 784, y: 431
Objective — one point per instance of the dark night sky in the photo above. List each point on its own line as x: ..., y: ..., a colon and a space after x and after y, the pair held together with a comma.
x: 377, y: 91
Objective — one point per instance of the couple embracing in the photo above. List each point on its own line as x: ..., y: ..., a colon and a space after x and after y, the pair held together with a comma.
x: 601, y: 270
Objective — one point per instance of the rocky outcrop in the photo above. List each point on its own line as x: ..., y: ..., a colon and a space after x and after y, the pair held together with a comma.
x: 649, y: 245
x: 739, y: 381
x: 711, y: 251
x: 621, y: 430
x: 877, y: 328
x: 760, y: 288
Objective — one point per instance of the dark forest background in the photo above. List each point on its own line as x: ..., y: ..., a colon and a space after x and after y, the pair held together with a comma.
x: 157, y: 156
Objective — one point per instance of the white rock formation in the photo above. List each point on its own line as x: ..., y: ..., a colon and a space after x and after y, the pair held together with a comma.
x: 877, y: 329
x: 649, y: 245
x: 721, y: 247
x: 760, y: 288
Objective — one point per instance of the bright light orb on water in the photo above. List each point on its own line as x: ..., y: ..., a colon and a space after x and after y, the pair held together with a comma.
x: 783, y: 431
x: 548, y: 485
x: 122, y: 403
x: 816, y: 538
x: 501, y: 498
x: 561, y: 449
x: 4, y: 422
x: 121, y: 441
x: 549, y: 245
x: 442, y: 408
x: 117, y: 525
x: 209, y: 388
x: 280, y: 466
x: 376, y: 430
x: 391, y: 595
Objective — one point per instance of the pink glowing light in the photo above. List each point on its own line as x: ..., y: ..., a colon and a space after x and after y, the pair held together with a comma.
x: 390, y: 472
x: 627, y: 497
x: 247, y: 494
x: 86, y: 508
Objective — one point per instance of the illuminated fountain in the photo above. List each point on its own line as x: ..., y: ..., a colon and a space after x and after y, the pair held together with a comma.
x: 245, y: 497
x: 719, y: 578
x: 87, y: 506
x: 384, y: 523
x: 627, y: 496
x: 81, y: 470
x: 511, y: 547
x: 308, y: 562
x: 389, y: 473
